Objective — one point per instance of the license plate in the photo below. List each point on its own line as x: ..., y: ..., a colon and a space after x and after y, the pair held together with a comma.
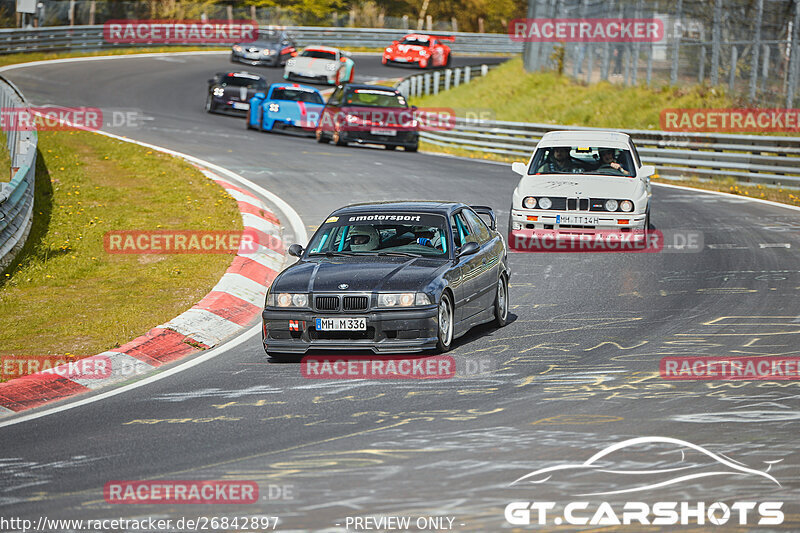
x: 241, y: 105
x: 251, y: 56
x: 577, y: 219
x: 379, y: 131
x: 341, y: 324
x: 400, y: 59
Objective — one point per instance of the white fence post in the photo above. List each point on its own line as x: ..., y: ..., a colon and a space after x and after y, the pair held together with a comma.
x: 467, y: 74
x: 436, y: 77
x: 447, y: 75
x: 484, y: 70
x: 457, y: 77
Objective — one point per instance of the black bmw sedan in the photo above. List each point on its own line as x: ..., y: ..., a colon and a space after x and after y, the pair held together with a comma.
x: 390, y: 277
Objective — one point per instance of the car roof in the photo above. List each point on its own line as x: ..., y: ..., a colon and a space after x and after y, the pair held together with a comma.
x: 612, y: 139
x: 240, y: 74
x: 373, y: 87
x: 438, y: 207
x: 290, y: 85
x: 321, y: 48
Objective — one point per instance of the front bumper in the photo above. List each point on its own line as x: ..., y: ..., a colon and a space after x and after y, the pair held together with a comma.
x: 313, y: 78
x: 390, y: 331
x: 583, y: 220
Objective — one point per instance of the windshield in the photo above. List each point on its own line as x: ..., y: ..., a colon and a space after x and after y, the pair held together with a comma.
x: 269, y: 36
x: 296, y: 95
x: 415, y: 41
x: 375, y: 234
x: 582, y: 160
x: 319, y: 54
x: 239, y: 81
x: 375, y: 98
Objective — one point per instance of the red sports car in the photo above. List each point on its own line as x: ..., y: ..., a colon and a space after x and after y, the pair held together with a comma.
x: 425, y: 50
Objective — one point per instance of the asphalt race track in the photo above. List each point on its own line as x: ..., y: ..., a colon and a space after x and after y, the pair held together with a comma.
x: 576, y: 370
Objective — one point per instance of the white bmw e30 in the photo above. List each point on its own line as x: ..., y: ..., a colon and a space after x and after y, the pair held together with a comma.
x: 587, y: 180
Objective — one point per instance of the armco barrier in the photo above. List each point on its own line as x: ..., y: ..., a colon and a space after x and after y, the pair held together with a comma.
x: 16, y: 196
x: 765, y: 159
x: 61, y: 38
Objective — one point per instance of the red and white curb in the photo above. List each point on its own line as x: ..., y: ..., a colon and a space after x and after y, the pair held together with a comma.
x: 233, y: 304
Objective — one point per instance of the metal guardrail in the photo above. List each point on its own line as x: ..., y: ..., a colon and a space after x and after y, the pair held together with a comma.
x: 748, y: 158
x: 60, y: 38
x: 16, y: 196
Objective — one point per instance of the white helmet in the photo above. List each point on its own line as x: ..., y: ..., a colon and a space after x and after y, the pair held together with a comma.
x: 364, y: 238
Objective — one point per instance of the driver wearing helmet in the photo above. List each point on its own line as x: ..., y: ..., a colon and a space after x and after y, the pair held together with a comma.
x: 364, y: 239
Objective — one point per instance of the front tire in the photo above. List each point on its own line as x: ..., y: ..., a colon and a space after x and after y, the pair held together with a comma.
x: 337, y: 139
x: 445, y: 324
x: 412, y: 148
x: 501, y: 303
x: 321, y: 137
x: 210, y: 107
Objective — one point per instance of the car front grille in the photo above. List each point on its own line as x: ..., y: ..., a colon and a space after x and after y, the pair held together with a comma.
x: 355, y: 303
x: 327, y: 303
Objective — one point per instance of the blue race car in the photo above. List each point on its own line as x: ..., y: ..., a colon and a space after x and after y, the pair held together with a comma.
x: 286, y: 106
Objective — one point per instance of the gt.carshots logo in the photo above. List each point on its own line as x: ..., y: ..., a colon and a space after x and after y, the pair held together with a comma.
x: 616, y: 467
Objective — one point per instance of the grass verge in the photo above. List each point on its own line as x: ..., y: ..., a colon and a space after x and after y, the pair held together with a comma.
x: 64, y: 294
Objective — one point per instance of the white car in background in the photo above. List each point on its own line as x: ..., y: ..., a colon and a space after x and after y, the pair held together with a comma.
x: 582, y: 180
x: 321, y: 64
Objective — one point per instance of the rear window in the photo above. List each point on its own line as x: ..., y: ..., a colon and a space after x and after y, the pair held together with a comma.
x: 319, y: 54
x: 375, y: 97
x: 242, y: 81
x: 415, y: 41
x: 296, y: 95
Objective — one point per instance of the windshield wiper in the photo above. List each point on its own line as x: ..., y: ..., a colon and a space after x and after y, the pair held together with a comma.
x: 399, y: 254
x: 334, y: 254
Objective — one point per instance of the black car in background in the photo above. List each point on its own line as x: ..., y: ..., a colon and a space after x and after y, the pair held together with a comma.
x: 272, y: 48
x: 369, y: 114
x: 232, y: 91
x: 390, y: 277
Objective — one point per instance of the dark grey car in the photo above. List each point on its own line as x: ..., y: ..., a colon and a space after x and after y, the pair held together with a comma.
x: 272, y: 49
x: 390, y: 277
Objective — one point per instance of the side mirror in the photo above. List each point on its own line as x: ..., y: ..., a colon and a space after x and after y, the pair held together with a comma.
x: 211, y: 80
x: 260, y: 96
x: 519, y: 168
x: 647, y: 171
x: 414, y: 108
x: 468, y: 249
x: 395, y: 42
x: 296, y: 250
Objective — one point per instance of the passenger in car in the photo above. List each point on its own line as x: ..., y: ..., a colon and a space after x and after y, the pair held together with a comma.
x: 559, y: 161
x: 608, y: 162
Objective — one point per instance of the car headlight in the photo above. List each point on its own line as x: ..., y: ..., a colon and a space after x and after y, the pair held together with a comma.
x: 402, y: 299
x: 290, y: 62
x: 274, y: 108
x: 611, y: 205
x: 626, y: 205
x: 267, y: 52
x: 389, y: 49
x: 287, y: 299
x: 545, y: 203
x: 237, y: 48
x: 219, y: 91
x: 529, y: 202
x: 331, y: 67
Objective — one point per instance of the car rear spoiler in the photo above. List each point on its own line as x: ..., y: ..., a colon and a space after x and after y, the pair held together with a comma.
x: 445, y: 37
x: 486, y: 210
